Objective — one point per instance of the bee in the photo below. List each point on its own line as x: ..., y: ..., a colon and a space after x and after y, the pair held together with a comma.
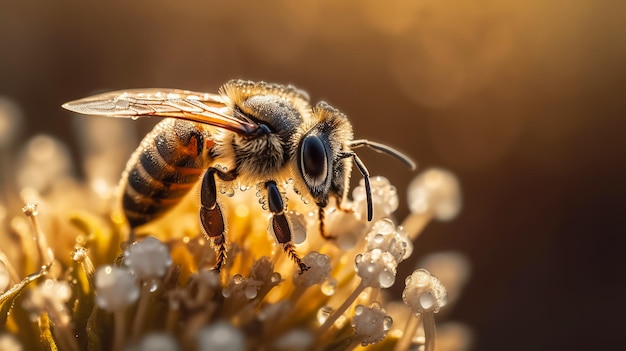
x: 259, y: 134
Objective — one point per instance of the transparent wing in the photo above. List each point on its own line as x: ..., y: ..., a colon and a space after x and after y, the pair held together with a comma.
x: 193, y: 106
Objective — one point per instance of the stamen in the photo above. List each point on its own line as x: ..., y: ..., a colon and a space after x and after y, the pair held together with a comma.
x: 425, y: 295
x: 116, y: 290
x: 220, y: 336
x: 371, y: 323
x: 434, y: 193
x: 45, y: 252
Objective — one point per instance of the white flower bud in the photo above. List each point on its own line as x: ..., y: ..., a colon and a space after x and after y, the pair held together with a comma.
x: 424, y: 292
x: 50, y: 296
x: 220, y: 336
x: 377, y: 268
x: 116, y: 288
x: 371, y: 323
x: 436, y: 191
x: 318, y: 272
x: 384, y: 197
x: 158, y: 342
x: 8, y: 342
x: 148, y: 259
x: 384, y: 236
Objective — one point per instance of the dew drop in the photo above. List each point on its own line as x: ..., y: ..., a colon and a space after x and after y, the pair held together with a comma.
x: 384, y: 226
x: 237, y: 279
x: 276, y: 277
x: 387, y: 323
x: 134, y: 118
x: 386, y: 278
x: 427, y: 300
x: 323, y: 313
x: 230, y: 192
x: 153, y: 285
x: 329, y: 287
x: 226, y: 292
x: 358, y: 258
x: 250, y: 292
x: 376, y: 305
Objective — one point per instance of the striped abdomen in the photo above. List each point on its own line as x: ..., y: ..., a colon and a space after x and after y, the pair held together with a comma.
x: 167, y: 164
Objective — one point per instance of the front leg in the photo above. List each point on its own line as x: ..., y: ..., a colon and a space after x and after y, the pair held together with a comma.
x: 281, y: 225
x: 321, y: 215
x: 211, y: 215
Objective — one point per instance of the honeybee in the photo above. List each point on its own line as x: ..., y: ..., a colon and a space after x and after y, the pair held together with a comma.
x: 255, y: 133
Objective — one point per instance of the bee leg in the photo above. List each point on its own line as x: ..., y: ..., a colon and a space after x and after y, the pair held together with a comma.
x: 211, y: 216
x: 280, y: 224
x: 321, y: 215
x: 366, y: 178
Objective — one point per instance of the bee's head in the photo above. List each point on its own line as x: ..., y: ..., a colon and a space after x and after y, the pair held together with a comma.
x: 325, y: 156
x: 320, y: 154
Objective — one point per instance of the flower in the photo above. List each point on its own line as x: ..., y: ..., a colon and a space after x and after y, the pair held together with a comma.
x: 78, y: 285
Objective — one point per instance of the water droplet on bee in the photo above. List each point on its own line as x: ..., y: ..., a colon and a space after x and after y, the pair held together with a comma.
x: 230, y: 192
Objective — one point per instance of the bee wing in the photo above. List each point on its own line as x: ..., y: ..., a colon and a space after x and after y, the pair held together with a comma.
x: 193, y: 106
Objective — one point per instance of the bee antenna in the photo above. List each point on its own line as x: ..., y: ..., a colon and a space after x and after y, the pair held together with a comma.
x: 366, y: 177
x: 385, y: 149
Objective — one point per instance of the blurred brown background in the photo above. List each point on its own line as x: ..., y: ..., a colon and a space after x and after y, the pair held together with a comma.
x: 522, y: 99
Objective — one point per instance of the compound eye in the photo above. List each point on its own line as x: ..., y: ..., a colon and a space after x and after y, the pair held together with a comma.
x: 314, y: 162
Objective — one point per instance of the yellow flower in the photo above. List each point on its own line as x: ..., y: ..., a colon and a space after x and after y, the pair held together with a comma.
x: 69, y: 281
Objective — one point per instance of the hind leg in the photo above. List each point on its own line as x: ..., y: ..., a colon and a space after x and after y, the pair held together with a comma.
x: 211, y: 216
